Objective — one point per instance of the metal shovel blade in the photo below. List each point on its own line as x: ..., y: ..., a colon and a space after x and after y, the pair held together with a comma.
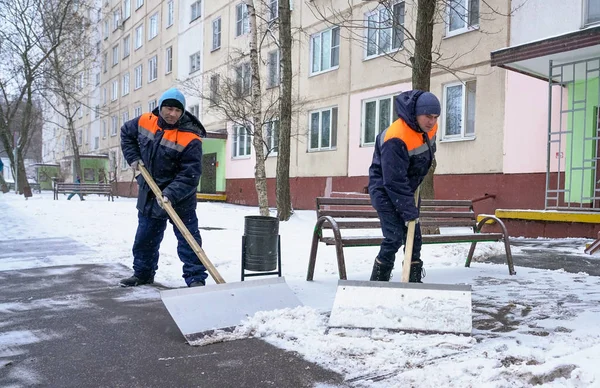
x: 414, y: 307
x: 200, y: 311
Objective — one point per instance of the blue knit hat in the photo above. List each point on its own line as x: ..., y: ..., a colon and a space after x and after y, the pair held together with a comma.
x: 172, y: 97
x: 427, y: 104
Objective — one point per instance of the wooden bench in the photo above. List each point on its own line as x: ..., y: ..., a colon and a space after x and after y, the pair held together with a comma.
x: 356, y: 213
x: 83, y: 188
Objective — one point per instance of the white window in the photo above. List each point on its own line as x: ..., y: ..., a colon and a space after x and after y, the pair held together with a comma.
x: 139, y: 36
x: 124, y: 164
x: 322, y: 133
x: 104, y: 96
x: 214, y: 89
x: 96, y: 142
x: 385, y: 30
x: 88, y: 135
x: 153, y: 29
x: 126, y: 46
x: 137, y: 111
x: 592, y: 11
x: 97, y: 111
x: 115, y: 55
x: 242, y: 141
x: 170, y: 13
x: 242, y: 22
x: 459, y: 110
x: 151, y: 105
x: 105, y: 62
x: 139, y: 70
x: 195, y: 10
x: 325, y: 50
x: 194, y: 62
x: 114, y: 125
x: 116, y: 19
x: 104, y: 129
x: 272, y: 137
x: 152, y: 69
x: 273, y: 77
x: 79, y: 137
x: 106, y: 29
x: 115, y: 90
x: 126, y: 9
x: 80, y: 110
x: 377, y: 116
x: 462, y: 15
x: 81, y: 80
x: 138, y: 3
x: 273, y: 9
x: 98, y: 79
x: 216, y: 33
x: 125, y: 86
x: 243, y: 75
x: 169, y: 60
x: 125, y: 117
x: 195, y: 110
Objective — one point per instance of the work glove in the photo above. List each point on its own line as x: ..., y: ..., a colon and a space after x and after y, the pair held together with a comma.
x: 135, y: 165
x: 416, y: 220
x: 163, y: 201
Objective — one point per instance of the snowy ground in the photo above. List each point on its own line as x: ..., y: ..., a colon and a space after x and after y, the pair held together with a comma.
x: 539, y: 327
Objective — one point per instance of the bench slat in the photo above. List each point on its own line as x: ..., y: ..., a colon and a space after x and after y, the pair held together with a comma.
x: 366, y: 201
x: 353, y: 241
x: 376, y: 224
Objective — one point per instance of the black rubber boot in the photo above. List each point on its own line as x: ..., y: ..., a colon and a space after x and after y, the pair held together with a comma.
x: 416, y: 272
x: 134, y: 281
x: 381, y: 272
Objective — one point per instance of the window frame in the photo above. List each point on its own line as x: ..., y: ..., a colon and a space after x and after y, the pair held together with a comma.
x: 363, y: 117
x: 126, y: 46
x: 466, y: 18
x: 197, y: 6
x: 273, y: 80
x: 115, y: 55
x: 465, y: 110
x: 115, y: 90
x: 273, y: 9
x: 271, y: 137
x: 126, y: 9
x: 153, y: 26
x: 243, y: 76
x: 125, y: 85
x: 169, y: 60
x: 114, y: 125
x: 153, y: 68
x: 242, y: 20
x: 216, y: 34
x: 586, y: 15
x: 139, y: 77
x: 332, y: 131
x: 138, y: 4
x: 320, y: 36
x: 195, y: 62
x: 152, y: 104
x: 391, y: 36
x: 170, y: 13
x: 139, y: 35
x: 236, y: 139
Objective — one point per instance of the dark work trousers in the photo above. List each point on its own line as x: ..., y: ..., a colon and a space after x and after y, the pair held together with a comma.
x: 148, y: 237
x: 394, y: 236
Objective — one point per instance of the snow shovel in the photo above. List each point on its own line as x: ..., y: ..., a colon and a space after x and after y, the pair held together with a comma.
x: 202, y: 311
x: 404, y: 306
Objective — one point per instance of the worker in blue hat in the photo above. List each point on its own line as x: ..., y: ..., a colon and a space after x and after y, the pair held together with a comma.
x: 168, y: 142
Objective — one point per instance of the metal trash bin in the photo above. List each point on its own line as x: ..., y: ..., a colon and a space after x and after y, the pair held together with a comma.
x: 261, y: 251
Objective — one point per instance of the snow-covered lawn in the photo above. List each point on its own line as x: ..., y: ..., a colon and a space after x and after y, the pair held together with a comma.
x: 538, y: 327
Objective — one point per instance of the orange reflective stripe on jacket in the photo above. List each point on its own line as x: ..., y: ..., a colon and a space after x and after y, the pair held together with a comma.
x: 172, y: 138
x: 414, y: 140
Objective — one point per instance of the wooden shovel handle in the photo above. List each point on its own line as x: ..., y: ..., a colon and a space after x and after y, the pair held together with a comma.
x: 410, y: 239
x: 182, y: 228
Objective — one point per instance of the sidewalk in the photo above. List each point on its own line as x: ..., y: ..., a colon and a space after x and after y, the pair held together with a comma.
x: 75, y: 327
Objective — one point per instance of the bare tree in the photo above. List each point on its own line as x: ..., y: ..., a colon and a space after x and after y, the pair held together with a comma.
x: 31, y: 31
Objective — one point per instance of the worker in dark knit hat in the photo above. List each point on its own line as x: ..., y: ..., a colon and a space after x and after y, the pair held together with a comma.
x: 168, y: 143
x: 402, y: 157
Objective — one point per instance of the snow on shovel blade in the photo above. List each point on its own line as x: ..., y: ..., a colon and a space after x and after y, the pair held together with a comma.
x: 415, y: 307
x: 200, y: 311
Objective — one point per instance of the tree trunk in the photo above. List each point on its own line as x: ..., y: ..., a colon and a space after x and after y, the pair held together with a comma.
x: 284, y: 202
x: 76, y: 159
x: 260, y: 176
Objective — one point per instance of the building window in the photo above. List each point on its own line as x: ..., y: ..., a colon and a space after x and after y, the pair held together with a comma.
x: 243, y: 77
x: 195, y: 110
x: 322, y: 134
x: 96, y: 142
x: 195, y: 10
x: 273, y: 73
x: 105, y: 62
x: 126, y: 9
x: 125, y: 117
x: 377, y: 115
x: 152, y: 69
x: 97, y: 111
x: 214, y: 89
x: 138, y: 3
x: 194, y: 62
x: 273, y: 9
x: 169, y: 60
x: 126, y: 46
x: 115, y: 90
x: 104, y: 129
x: 272, y: 137
x: 242, y: 22
x: 462, y: 16
x: 325, y: 50
x: 592, y: 11
x: 114, y: 126
x: 125, y: 86
x: 104, y: 96
x: 115, y: 55
x: 138, y: 77
x: 242, y: 141
x: 216, y: 33
x: 137, y: 111
x: 459, y: 110
x: 151, y: 105
x: 79, y: 137
x: 385, y: 31
x: 116, y: 19
x: 153, y: 28
x: 97, y: 79
x: 139, y: 36
x: 170, y: 13
x: 106, y: 29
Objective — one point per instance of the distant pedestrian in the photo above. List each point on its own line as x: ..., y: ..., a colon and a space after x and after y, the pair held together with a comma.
x: 76, y: 191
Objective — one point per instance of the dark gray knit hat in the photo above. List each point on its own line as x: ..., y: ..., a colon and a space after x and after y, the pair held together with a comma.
x: 427, y: 104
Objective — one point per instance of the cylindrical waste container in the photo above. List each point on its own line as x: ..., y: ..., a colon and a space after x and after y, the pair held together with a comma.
x: 261, y: 235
